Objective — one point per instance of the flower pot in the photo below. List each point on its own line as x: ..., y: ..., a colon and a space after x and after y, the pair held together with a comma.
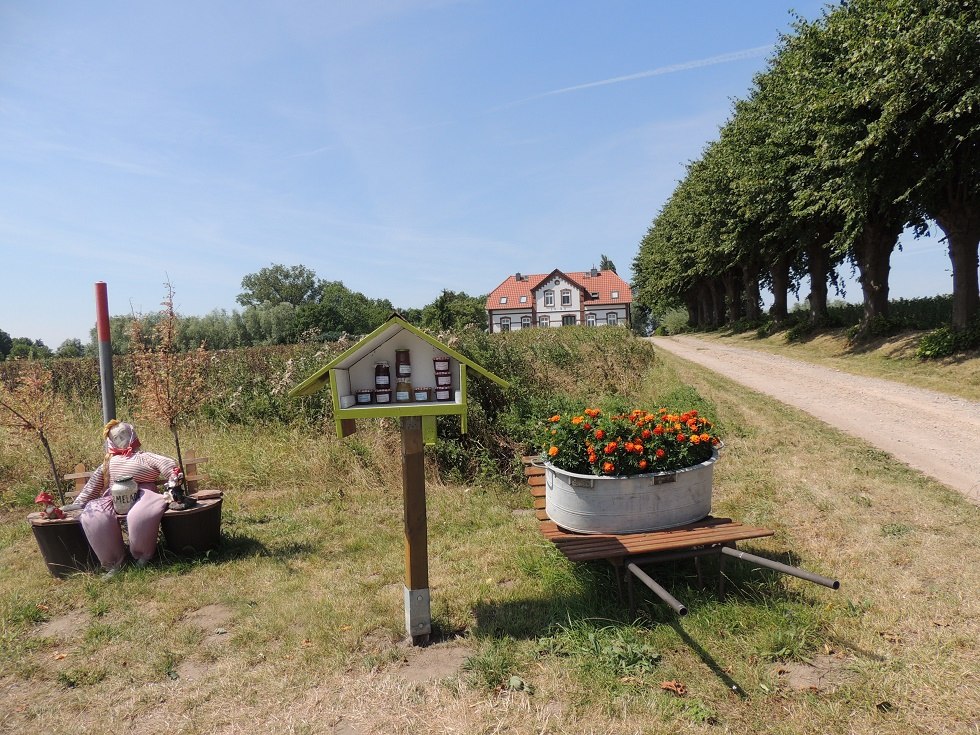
x: 194, y: 530
x: 650, y: 502
x: 63, y: 545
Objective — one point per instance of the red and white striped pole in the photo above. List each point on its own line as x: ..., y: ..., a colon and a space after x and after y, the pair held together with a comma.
x: 105, y: 352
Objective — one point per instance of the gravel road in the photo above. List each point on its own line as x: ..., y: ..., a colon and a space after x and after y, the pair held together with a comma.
x: 946, y: 441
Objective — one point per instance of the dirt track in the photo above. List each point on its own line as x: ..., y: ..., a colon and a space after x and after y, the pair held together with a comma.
x: 945, y: 443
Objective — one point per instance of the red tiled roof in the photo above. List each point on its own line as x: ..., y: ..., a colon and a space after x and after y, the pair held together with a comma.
x: 603, y: 284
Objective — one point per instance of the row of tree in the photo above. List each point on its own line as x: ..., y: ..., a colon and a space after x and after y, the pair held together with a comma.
x: 281, y: 305
x: 866, y: 122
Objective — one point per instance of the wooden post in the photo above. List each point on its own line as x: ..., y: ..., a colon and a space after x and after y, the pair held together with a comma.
x: 418, y: 618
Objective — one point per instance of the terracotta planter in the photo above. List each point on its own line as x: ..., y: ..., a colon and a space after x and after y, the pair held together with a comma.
x: 63, y: 545
x: 592, y: 504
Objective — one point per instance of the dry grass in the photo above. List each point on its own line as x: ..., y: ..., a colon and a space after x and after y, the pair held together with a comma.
x: 307, y: 589
x: 892, y: 358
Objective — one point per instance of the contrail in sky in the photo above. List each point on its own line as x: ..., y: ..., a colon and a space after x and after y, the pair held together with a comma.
x: 660, y: 70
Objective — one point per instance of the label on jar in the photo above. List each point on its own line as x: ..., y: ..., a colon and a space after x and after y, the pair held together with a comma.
x: 444, y: 379
x: 402, y: 395
x: 442, y: 394
x: 421, y: 395
x: 382, y: 380
x: 404, y: 369
x: 382, y: 396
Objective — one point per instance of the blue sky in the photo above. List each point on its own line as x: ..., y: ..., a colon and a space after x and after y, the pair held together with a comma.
x: 399, y: 146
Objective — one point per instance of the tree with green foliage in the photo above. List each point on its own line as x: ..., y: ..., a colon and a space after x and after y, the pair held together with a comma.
x: 70, y: 348
x: 277, y: 284
x: 605, y: 264
x: 24, y: 348
x: 5, y: 344
x: 453, y: 311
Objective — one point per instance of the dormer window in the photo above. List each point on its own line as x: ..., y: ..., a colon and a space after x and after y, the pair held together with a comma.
x: 615, y: 294
x: 523, y: 299
x: 503, y: 299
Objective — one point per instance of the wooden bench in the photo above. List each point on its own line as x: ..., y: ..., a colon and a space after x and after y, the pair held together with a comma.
x: 192, y: 475
x: 629, y: 552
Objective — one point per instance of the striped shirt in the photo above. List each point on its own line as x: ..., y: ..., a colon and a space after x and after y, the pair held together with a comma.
x: 144, y: 467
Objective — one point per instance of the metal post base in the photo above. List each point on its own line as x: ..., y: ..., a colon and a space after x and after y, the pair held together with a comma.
x: 418, y: 618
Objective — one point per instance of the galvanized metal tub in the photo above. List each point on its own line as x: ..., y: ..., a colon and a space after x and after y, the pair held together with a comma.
x: 592, y: 504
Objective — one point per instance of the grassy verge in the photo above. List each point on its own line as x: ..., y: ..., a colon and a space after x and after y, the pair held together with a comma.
x: 295, y: 624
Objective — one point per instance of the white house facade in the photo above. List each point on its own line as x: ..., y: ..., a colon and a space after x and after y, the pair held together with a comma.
x: 556, y: 299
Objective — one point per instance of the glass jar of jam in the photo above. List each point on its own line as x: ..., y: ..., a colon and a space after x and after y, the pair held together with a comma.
x: 363, y: 396
x: 403, y: 363
x: 440, y: 364
x: 382, y: 374
x: 422, y: 394
x: 444, y: 393
x: 444, y: 379
x: 382, y: 395
x: 403, y: 390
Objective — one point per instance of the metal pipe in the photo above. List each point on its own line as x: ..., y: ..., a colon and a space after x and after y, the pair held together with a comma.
x: 659, y: 591
x: 105, y: 352
x: 784, y: 568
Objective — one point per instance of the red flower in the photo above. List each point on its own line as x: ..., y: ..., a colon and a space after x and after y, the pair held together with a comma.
x: 608, y: 467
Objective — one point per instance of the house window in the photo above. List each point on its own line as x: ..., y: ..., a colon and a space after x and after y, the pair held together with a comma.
x: 525, y: 322
x: 566, y: 297
x: 523, y: 299
x: 615, y: 294
x: 544, y: 321
x: 590, y: 319
x: 503, y: 299
x: 594, y: 294
x: 549, y: 298
x: 611, y: 319
x: 505, y: 324
x: 568, y: 320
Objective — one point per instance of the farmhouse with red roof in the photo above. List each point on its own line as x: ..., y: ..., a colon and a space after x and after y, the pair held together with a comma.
x: 556, y: 299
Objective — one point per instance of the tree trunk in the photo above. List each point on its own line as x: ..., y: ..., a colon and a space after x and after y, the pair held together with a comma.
x: 780, y: 288
x: 717, y: 305
x: 730, y: 279
x: 962, y: 228
x: 750, y: 291
x: 691, y: 301
x: 818, y: 262
x: 873, y: 251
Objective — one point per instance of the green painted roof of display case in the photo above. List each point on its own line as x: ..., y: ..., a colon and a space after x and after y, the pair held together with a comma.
x: 372, y: 341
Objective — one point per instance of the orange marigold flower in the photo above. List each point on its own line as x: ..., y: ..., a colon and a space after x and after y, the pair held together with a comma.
x: 658, y: 430
x: 610, y: 448
x: 555, y: 419
x: 681, y: 438
x: 553, y: 451
x: 587, y: 426
x: 706, y: 437
x: 695, y: 439
x: 660, y: 453
x: 643, y: 464
x: 646, y: 434
x: 608, y: 467
x: 600, y: 434
x: 578, y: 420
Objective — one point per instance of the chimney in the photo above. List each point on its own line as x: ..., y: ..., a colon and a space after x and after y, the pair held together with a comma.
x: 518, y: 276
x: 593, y: 272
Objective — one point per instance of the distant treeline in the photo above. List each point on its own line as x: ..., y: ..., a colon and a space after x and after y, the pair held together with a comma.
x: 281, y: 305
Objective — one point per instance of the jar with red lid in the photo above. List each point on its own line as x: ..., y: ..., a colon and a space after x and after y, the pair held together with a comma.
x: 440, y: 364
x: 420, y: 395
x: 444, y: 379
x: 382, y: 395
x: 444, y: 393
x: 363, y: 396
